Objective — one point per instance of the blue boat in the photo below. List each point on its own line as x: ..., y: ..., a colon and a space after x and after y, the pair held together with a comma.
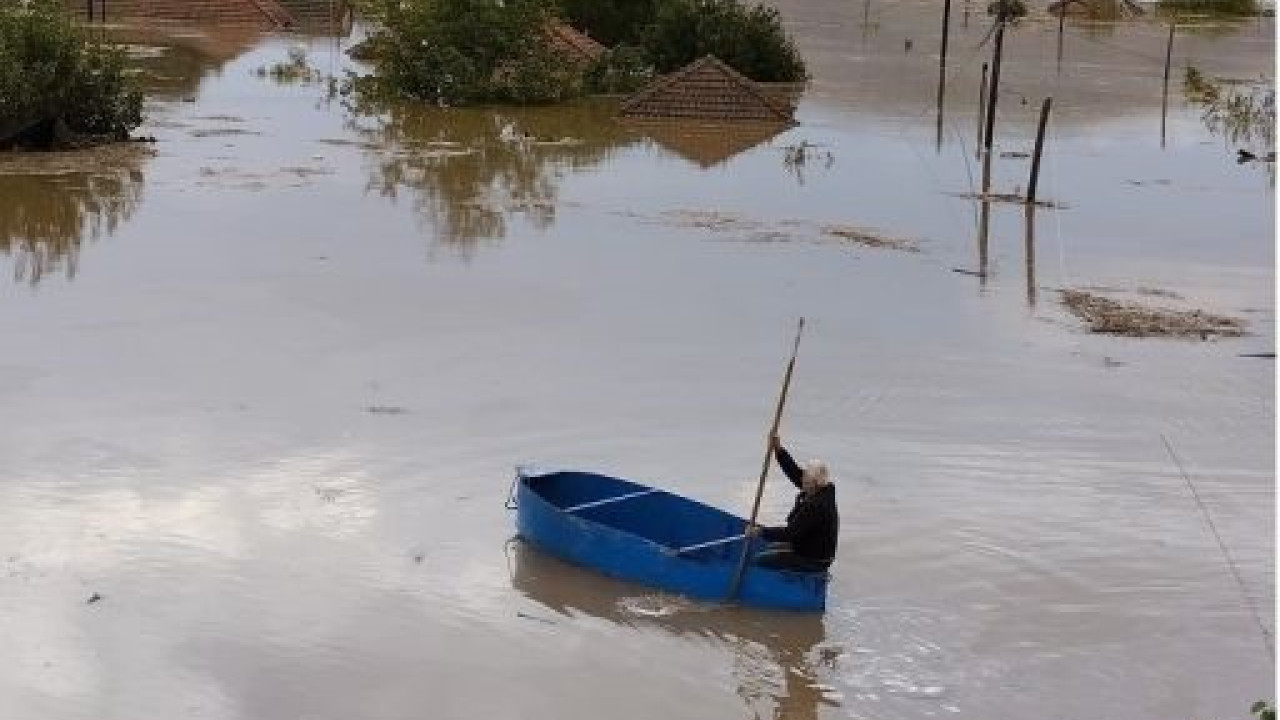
x: 645, y: 535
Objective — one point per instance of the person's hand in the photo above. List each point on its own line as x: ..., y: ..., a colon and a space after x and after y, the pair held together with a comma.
x: 774, y: 441
x: 752, y: 530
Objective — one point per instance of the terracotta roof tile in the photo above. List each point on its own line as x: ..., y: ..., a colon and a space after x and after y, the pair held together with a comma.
x: 706, y: 89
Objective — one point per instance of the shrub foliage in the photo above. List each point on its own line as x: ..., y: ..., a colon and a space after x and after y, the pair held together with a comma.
x: 458, y: 52
x: 49, y: 70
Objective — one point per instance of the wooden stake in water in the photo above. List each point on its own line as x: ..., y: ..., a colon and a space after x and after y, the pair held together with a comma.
x: 942, y: 67
x: 1030, y: 245
x: 1062, y: 18
x: 992, y: 96
x: 982, y: 110
x: 984, y: 228
x: 1035, y: 156
x: 1164, y: 98
x: 764, y: 471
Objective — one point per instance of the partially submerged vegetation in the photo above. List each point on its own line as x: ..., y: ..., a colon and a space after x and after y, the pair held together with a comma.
x: 1218, y: 8
x: 460, y: 52
x: 59, y: 88
x: 1112, y: 317
x: 1244, y: 112
x: 296, y: 70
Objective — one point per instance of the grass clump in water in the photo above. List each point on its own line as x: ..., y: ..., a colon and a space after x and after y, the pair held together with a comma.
x: 1111, y: 317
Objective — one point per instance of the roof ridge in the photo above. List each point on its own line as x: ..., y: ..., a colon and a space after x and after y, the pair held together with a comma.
x: 749, y: 85
x: 738, y: 80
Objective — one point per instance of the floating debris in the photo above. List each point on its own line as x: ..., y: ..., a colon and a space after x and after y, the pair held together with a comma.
x: 869, y: 239
x: 93, y: 599
x: 1111, y: 317
x: 1016, y: 198
x: 535, y: 618
x: 386, y: 410
x: 221, y: 132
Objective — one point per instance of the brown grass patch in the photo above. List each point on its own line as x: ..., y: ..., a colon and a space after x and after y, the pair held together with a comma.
x: 1104, y: 315
x: 869, y: 239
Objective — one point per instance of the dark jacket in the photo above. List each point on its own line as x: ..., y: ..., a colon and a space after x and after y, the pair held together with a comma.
x: 813, y: 525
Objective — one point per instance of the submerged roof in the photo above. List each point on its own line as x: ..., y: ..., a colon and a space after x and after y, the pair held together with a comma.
x: 706, y: 89
x: 264, y: 14
x: 576, y: 45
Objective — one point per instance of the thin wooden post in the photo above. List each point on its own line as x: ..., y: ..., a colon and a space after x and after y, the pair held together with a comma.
x: 1062, y: 18
x: 982, y: 110
x: 1164, y: 98
x: 1035, y: 156
x: 942, y: 67
x: 984, y: 229
x: 1030, y: 244
x: 946, y: 25
x: 993, y: 95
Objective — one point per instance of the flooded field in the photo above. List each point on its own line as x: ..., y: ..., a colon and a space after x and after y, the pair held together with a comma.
x: 264, y: 381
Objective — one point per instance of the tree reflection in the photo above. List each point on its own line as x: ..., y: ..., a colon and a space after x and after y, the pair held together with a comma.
x: 172, y: 65
x: 777, y: 656
x: 468, y: 171
x: 52, y: 202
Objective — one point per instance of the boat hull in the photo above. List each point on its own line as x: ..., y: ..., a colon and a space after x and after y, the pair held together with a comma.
x: 634, y: 532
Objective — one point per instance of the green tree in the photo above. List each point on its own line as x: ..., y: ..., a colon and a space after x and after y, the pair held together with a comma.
x: 611, y: 22
x: 456, y: 52
x: 750, y: 39
x: 50, y: 70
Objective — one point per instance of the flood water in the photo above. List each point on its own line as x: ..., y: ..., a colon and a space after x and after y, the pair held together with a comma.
x: 263, y: 385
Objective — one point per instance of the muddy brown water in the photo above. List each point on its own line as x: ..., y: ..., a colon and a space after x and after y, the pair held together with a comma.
x: 262, y: 387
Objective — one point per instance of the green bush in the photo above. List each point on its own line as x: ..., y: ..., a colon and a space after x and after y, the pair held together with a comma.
x: 458, y: 52
x: 50, y: 70
x: 611, y: 22
x: 749, y: 39
x: 461, y: 52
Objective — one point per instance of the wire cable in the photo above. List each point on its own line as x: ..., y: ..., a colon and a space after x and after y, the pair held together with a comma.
x: 1231, y: 563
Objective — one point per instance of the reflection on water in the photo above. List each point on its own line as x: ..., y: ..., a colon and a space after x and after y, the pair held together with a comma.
x: 52, y: 202
x: 469, y: 170
x: 172, y: 65
x: 777, y: 656
x: 707, y: 144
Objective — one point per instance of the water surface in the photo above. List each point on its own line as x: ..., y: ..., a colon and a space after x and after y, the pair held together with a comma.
x: 263, y: 385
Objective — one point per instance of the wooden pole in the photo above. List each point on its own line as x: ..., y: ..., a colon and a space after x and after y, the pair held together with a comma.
x: 1035, y: 156
x: 942, y: 67
x: 1164, y: 98
x: 984, y: 228
x: 1030, y: 243
x: 1062, y: 18
x: 993, y: 95
x: 946, y: 25
x: 982, y: 110
x: 764, y: 470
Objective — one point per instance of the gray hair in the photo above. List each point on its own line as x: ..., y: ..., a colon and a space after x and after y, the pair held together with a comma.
x: 816, y: 472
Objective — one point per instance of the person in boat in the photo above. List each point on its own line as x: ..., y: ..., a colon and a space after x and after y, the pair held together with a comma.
x: 808, y: 541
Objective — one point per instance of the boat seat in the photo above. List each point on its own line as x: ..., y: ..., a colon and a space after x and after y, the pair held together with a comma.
x: 606, y: 501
